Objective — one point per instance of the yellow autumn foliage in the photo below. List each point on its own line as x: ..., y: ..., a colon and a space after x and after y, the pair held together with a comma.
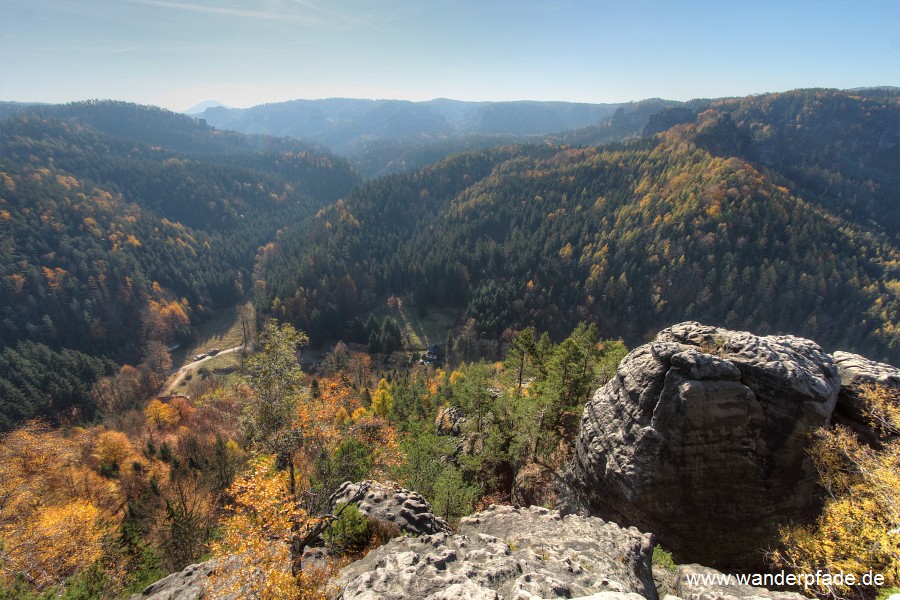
x: 859, y: 528
x: 113, y: 448
x: 58, y: 542
x: 255, y: 558
x: 382, y: 399
x: 54, y: 509
x: 160, y: 415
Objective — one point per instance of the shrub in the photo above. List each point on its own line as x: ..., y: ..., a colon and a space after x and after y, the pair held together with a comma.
x: 662, y: 558
x: 350, y: 532
x: 858, y: 528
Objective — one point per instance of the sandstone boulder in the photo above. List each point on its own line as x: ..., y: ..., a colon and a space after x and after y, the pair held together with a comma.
x: 389, y: 503
x: 450, y: 421
x: 534, y: 485
x: 507, y: 552
x: 187, y: 584
x: 857, y: 374
x: 701, y: 437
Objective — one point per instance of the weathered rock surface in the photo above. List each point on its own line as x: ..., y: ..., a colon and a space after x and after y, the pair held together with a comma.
x: 188, y: 584
x: 701, y: 437
x: 858, y: 373
x: 665, y: 581
x: 390, y: 503
x: 450, y: 421
x: 507, y: 552
x: 858, y: 370
x: 611, y: 596
x: 692, y: 587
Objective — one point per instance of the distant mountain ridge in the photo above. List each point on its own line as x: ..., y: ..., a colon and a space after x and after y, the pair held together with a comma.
x: 389, y: 136
x: 344, y: 124
x: 382, y: 137
x: 201, y: 106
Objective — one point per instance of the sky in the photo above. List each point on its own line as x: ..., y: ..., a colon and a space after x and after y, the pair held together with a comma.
x: 177, y: 53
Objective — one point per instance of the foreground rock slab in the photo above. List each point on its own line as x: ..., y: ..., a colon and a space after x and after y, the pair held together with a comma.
x: 509, y: 553
x: 701, y: 438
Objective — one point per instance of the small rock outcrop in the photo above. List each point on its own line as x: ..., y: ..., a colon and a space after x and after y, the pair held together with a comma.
x: 534, y: 485
x: 857, y: 374
x: 187, y: 584
x: 450, y: 421
x: 701, y: 438
x: 392, y: 504
x: 696, y: 582
x: 506, y: 553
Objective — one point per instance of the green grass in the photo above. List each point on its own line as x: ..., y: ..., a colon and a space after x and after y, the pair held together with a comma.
x: 420, y: 332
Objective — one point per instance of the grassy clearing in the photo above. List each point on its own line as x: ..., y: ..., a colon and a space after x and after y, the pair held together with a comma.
x: 222, y: 331
x: 421, y: 331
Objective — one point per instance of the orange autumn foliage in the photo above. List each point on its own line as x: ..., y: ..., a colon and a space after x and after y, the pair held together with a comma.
x: 162, y: 319
x: 337, y: 416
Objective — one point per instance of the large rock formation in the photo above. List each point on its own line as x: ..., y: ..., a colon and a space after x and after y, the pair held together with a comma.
x: 507, y: 552
x: 701, y: 437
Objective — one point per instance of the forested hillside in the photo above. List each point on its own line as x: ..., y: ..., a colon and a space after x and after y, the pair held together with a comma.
x: 838, y: 149
x: 121, y: 226
x: 108, y: 243
x: 687, y: 225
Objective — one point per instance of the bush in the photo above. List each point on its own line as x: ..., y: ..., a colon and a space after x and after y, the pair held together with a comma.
x: 350, y: 532
x: 662, y: 558
x: 453, y: 497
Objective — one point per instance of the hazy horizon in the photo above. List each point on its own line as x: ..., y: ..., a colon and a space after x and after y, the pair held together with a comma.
x: 176, y: 54
x: 214, y: 102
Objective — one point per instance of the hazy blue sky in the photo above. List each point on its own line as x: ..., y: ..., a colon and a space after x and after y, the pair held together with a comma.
x: 176, y: 53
